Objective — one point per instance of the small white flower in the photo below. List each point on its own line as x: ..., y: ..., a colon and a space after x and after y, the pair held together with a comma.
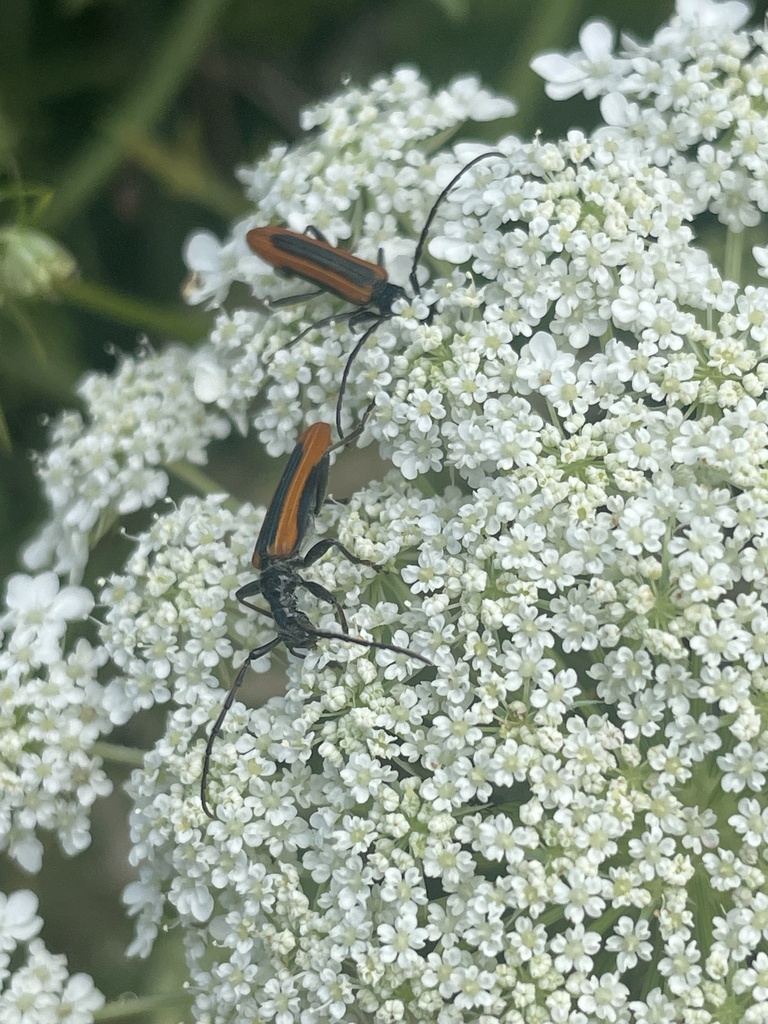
x: 214, y: 266
x: 584, y: 70
x: 38, y: 612
x: 18, y: 918
x: 210, y: 381
x: 761, y: 258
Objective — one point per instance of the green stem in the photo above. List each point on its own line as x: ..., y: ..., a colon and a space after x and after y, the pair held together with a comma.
x: 734, y: 250
x: 118, y: 755
x: 196, y: 478
x: 20, y: 191
x: 27, y: 327
x: 551, y: 33
x: 130, y: 1007
x: 6, y: 445
x: 188, y: 32
x: 181, y: 176
x: 705, y: 905
x: 52, y: 379
x: 183, y: 325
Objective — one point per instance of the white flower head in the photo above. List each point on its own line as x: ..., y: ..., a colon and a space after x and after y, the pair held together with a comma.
x: 586, y: 70
x: 575, y: 421
x: 689, y: 99
x: 38, y: 612
x: 572, y: 529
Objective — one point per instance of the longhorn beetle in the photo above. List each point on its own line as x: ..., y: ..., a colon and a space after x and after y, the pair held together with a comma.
x: 298, y: 498
x: 312, y: 258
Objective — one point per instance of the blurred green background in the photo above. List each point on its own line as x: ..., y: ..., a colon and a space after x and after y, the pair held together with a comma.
x: 120, y: 124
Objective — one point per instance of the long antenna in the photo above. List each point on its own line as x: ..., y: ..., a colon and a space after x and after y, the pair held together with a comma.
x: 423, y: 236
x: 228, y: 702
x: 370, y: 643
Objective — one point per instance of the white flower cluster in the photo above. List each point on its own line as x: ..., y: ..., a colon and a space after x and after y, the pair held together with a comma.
x: 565, y: 820
x: 354, y: 170
x: 111, y: 463
x: 39, y: 990
x: 167, y: 618
x: 693, y: 99
x: 50, y: 716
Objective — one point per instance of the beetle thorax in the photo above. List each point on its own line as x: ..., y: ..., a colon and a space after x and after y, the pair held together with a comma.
x: 384, y: 294
x: 279, y: 583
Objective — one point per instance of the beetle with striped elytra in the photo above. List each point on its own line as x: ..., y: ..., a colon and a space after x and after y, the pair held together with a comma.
x: 365, y: 285
x: 298, y: 498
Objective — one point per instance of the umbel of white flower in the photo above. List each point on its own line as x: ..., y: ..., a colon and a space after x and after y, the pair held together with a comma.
x: 39, y: 990
x: 565, y: 819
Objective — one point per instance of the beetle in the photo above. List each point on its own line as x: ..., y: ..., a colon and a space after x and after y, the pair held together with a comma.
x: 311, y: 257
x: 297, y: 499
